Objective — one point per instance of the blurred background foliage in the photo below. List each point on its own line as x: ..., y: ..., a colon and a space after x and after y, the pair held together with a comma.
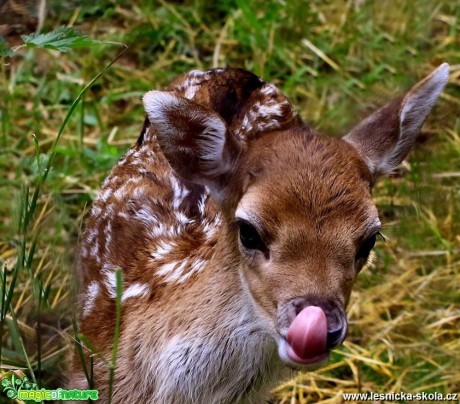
x: 337, y: 60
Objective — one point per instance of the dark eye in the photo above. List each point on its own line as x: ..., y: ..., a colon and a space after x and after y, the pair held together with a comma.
x: 250, y: 238
x: 366, y: 247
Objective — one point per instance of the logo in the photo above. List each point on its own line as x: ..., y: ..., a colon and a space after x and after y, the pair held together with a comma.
x: 12, y: 387
x: 26, y: 390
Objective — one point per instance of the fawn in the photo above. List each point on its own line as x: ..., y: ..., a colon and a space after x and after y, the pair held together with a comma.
x: 239, y: 232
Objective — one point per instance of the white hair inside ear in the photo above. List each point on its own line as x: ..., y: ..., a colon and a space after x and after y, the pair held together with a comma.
x: 385, y: 137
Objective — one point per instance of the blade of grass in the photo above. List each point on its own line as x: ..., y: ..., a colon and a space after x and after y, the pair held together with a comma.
x: 81, y: 124
x: 74, y: 105
x: 2, y: 301
x: 17, y: 267
x: 91, y: 374
x: 15, y: 330
x: 78, y: 346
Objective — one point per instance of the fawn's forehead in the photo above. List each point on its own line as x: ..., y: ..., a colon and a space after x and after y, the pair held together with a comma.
x: 316, y: 179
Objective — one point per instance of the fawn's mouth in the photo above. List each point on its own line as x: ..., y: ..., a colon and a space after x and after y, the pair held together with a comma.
x: 289, y: 356
x: 305, y: 342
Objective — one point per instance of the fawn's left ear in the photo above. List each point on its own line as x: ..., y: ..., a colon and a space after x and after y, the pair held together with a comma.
x: 195, y: 140
x: 385, y: 137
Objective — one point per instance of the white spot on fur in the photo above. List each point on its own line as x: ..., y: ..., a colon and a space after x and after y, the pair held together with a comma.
x: 146, y: 134
x: 202, y: 204
x: 173, y: 231
x: 136, y: 163
x: 139, y: 192
x: 124, y: 215
x: 108, y: 212
x: 179, y: 192
x: 197, y: 73
x: 91, y: 295
x: 191, y: 91
x: 147, y: 150
x: 166, y: 231
x: 96, y: 210
x: 108, y: 236
x: 181, y: 271
x: 167, y: 269
x: 209, y: 229
x: 177, y: 272
x: 135, y: 290
x: 198, y: 265
x: 195, y: 268
x: 246, y: 125
x: 95, y: 251
x: 105, y: 195
x: 182, y: 218
x: 158, y: 231
x: 266, y: 114
x: 270, y: 110
x: 268, y: 89
x: 146, y: 216
x: 163, y: 249
x: 110, y: 280
x: 92, y: 234
x: 194, y: 82
x: 218, y: 219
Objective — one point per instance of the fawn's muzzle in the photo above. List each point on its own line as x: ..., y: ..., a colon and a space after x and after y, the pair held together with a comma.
x: 310, y: 328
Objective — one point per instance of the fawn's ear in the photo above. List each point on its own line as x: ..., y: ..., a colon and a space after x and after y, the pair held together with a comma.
x: 194, y: 139
x: 384, y: 138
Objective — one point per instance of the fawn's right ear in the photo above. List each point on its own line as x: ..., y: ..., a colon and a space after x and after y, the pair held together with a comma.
x: 384, y: 138
x: 195, y: 140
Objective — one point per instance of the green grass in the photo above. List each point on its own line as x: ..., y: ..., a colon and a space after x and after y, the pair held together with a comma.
x: 337, y: 61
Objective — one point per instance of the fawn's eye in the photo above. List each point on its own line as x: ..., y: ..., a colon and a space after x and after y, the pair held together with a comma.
x: 250, y: 237
x: 366, y: 247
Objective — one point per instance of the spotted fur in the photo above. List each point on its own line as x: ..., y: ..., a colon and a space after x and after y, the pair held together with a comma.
x: 202, y: 318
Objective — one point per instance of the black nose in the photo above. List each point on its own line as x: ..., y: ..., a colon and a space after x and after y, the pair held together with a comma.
x: 336, y: 334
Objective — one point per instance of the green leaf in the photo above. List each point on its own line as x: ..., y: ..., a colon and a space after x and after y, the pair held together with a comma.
x: 61, y: 39
x: 4, y: 49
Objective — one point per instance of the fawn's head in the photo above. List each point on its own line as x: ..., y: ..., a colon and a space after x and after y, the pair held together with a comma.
x: 299, y: 221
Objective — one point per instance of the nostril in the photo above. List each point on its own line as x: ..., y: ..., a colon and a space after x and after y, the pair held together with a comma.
x: 336, y: 334
x: 334, y: 337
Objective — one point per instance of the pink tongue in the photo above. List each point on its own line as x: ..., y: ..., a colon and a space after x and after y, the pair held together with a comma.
x: 307, y: 334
